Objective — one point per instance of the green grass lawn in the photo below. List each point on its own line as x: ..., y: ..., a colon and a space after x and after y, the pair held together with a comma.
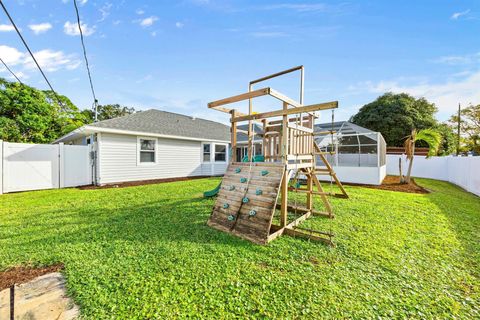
x: 146, y: 252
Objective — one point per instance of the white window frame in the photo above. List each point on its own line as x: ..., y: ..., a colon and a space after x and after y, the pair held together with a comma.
x: 226, y: 152
x: 155, y: 151
x: 201, y: 152
x: 212, y: 152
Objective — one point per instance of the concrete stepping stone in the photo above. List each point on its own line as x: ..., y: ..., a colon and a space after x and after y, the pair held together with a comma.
x: 44, y: 297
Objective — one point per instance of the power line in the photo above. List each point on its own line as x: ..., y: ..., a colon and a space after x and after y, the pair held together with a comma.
x: 86, y: 60
x: 29, y: 51
x: 13, y: 74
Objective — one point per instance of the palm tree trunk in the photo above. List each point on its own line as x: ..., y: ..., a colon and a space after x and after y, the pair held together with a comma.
x: 410, y: 164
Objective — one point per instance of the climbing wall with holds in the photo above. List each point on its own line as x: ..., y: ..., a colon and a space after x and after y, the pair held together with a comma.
x: 246, y: 201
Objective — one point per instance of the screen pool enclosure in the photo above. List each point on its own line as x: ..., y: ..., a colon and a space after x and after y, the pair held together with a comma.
x: 351, y: 145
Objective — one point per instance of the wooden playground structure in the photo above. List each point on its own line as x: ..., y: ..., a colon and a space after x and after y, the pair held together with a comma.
x: 251, y: 192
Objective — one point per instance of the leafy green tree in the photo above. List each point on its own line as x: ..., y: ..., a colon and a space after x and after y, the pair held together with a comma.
x: 469, y: 127
x: 31, y: 115
x: 395, y: 116
x: 108, y: 111
x: 448, y: 144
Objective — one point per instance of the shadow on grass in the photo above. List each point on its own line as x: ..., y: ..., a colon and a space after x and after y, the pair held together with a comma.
x: 161, y: 220
x: 462, y: 210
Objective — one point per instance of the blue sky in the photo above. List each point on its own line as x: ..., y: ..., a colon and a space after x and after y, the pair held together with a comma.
x: 179, y: 55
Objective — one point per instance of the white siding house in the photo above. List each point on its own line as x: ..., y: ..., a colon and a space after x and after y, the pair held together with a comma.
x: 154, y: 144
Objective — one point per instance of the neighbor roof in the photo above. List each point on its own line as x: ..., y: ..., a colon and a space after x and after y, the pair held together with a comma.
x: 159, y: 122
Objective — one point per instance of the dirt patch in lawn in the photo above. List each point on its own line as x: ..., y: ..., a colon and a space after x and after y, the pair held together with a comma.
x: 392, y: 183
x: 140, y: 183
x: 19, y: 275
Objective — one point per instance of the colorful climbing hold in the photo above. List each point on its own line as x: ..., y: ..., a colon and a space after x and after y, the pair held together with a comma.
x: 258, y: 191
x: 243, y: 180
x: 231, y: 188
x: 245, y: 200
x: 231, y: 217
x: 226, y: 205
x: 238, y: 170
x: 264, y: 172
x: 252, y: 213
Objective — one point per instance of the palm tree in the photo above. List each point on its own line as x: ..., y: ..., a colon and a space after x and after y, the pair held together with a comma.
x: 431, y: 137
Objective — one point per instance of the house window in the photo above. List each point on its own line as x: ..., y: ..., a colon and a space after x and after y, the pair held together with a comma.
x: 220, y: 153
x: 206, y: 152
x: 147, y: 150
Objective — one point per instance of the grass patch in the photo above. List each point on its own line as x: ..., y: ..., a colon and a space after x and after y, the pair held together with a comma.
x: 146, y: 252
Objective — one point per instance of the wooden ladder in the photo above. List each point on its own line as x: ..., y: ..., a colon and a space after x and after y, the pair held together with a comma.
x: 328, y: 170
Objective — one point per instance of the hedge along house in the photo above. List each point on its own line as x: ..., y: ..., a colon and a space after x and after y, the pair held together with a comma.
x: 153, y: 144
x: 358, y: 154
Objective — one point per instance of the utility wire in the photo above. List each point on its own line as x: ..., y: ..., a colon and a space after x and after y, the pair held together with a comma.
x: 11, y: 71
x: 86, y: 60
x: 29, y: 51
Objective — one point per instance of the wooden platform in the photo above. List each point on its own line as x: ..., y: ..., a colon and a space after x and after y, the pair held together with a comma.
x: 254, y: 228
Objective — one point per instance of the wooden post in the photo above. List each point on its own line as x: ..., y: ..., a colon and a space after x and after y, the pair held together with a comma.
x: 234, y: 137
x: 284, y: 154
x: 284, y: 207
x: 310, y: 189
x: 250, y: 110
x: 264, y: 140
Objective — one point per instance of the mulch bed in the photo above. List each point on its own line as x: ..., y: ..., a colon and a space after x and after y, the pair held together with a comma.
x: 18, y: 275
x: 139, y: 183
x: 392, y: 183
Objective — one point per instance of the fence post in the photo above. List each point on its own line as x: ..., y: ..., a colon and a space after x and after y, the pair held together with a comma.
x: 61, y: 165
x: 1, y: 166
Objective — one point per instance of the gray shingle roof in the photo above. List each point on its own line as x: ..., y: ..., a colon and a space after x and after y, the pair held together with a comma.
x: 168, y: 123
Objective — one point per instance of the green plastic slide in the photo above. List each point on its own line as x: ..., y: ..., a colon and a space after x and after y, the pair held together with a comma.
x: 213, y: 192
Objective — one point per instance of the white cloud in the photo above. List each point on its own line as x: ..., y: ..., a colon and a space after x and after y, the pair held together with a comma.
x: 140, y: 12
x: 446, y: 95
x: 105, y: 11
x: 153, y: 33
x: 147, y: 22
x: 71, y: 28
x: 179, y: 24
x: 6, y: 28
x: 51, y: 60
x: 48, y: 59
x: 11, y: 55
x: 459, y: 59
x: 457, y: 15
x: 40, y: 28
x: 20, y: 75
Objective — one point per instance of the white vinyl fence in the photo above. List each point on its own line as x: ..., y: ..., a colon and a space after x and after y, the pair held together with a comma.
x: 462, y: 171
x: 26, y: 166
